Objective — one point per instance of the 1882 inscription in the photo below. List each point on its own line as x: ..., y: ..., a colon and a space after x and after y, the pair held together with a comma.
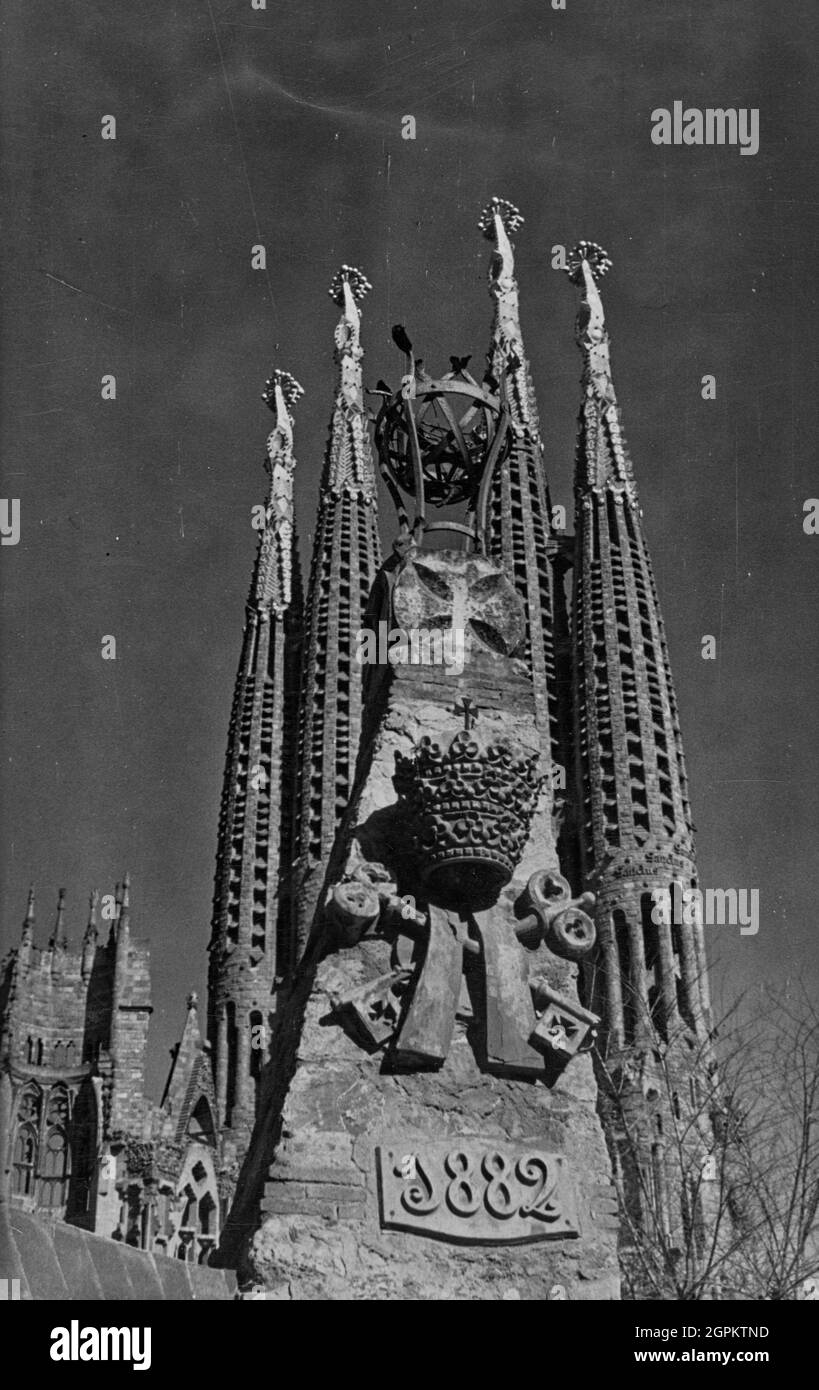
x: 472, y: 1190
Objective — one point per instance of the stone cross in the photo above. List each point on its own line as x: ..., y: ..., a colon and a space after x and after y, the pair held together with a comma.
x: 469, y: 710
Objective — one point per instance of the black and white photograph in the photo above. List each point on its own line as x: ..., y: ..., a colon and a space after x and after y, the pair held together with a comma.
x: 410, y: 695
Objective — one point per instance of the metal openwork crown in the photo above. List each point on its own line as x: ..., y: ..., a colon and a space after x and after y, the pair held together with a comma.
x: 439, y: 440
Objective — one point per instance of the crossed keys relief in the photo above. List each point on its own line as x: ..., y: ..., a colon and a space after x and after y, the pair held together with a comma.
x: 413, y: 1007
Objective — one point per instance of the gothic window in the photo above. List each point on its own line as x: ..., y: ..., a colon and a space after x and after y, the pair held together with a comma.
x: 58, y: 1055
x: 58, y: 1107
x: 83, y: 1150
x: 24, y: 1163
x: 207, y: 1207
x: 55, y: 1168
x: 30, y: 1050
x: 69, y: 1054
x: 189, y: 1213
x: 198, y: 1231
x: 30, y: 1106
x: 39, y: 1052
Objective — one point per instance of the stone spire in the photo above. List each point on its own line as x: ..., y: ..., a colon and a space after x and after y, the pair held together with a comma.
x: 635, y: 821
x: 520, y: 533
x: 346, y: 556
x: 254, y: 843
x: 59, y: 937
x: 27, y: 935
x: 124, y: 918
x: 89, y: 941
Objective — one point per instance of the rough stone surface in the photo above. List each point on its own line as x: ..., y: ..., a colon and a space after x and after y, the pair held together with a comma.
x: 316, y: 1228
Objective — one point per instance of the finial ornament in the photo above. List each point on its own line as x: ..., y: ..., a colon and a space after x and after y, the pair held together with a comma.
x: 510, y: 216
x: 586, y: 265
x: 357, y: 281
x: 193, y: 999
x: 92, y: 907
x: 290, y: 390
x: 598, y: 261
x: 30, y: 904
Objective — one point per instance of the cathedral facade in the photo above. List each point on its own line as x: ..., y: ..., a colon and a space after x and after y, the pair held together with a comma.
x: 83, y: 1144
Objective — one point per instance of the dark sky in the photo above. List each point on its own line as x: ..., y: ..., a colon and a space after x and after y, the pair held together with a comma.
x: 283, y: 126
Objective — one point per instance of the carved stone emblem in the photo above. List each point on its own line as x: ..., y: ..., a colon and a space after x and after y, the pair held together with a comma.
x: 446, y: 590
x: 376, y: 1006
x: 469, y: 1190
x: 563, y: 1027
x: 471, y: 804
x: 555, y: 916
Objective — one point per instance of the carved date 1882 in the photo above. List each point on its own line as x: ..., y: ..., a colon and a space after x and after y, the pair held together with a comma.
x: 471, y: 1190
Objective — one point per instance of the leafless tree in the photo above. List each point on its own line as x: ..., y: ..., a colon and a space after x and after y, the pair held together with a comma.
x: 716, y: 1153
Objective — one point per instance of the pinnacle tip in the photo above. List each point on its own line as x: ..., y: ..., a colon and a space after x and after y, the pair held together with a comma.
x: 509, y: 214
x: 355, y: 278
x: 290, y: 389
x: 598, y: 261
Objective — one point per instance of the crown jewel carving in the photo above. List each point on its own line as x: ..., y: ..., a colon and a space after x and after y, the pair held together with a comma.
x: 471, y: 804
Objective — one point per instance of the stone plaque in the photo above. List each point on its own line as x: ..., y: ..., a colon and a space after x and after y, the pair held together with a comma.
x: 476, y: 1191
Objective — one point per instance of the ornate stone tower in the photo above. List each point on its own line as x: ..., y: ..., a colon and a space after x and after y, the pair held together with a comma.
x: 429, y: 1126
x: 431, y: 1116
x: 650, y: 982
x: 346, y: 555
x: 251, y: 932
x: 636, y: 820
x: 520, y: 509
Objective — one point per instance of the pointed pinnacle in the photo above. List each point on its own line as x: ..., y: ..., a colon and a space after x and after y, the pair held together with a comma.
x: 58, y: 937
x: 29, y: 917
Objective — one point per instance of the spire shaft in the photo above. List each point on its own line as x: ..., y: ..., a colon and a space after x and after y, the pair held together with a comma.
x: 254, y: 829
x: 519, y: 528
x: 636, y: 832
x: 346, y: 556
x: 59, y: 939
